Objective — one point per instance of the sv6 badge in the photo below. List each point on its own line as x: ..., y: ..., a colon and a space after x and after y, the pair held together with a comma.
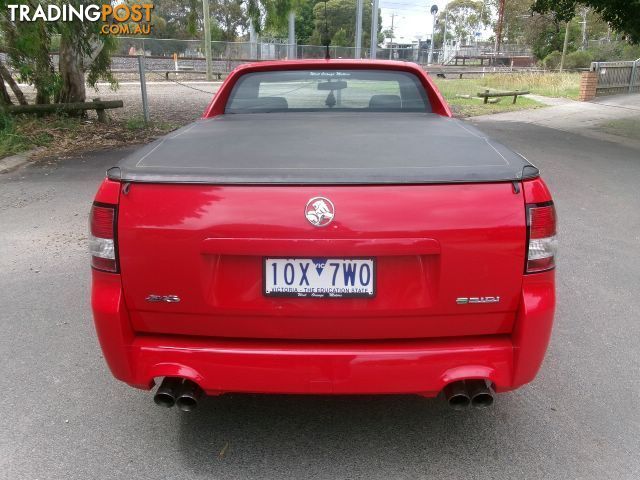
x: 163, y: 298
x: 468, y: 300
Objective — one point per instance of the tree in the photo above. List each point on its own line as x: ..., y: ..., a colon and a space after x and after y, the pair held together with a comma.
x: 28, y: 45
x: 463, y: 18
x: 622, y: 15
x: 218, y: 34
x: 5, y: 75
x: 230, y: 17
x: 271, y: 15
x: 340, y: 39
x: 517, y: 16
x: 183, y: 19
x: 341, y: 15
x: 545, y: 34
x: 304, y: 22
x: 84, y: 52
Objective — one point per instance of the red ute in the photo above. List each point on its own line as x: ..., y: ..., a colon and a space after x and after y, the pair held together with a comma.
x: 325, y: 228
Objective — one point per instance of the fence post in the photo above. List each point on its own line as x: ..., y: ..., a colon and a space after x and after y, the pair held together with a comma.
x: 588, y: 86
x: 632, y: 80
x: 207, y: 38
x: 143, y: 88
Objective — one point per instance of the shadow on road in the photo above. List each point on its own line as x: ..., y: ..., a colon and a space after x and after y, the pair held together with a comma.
x: 299, y: 436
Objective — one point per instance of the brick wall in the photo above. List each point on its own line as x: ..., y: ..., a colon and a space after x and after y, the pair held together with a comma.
x: 588, y: 86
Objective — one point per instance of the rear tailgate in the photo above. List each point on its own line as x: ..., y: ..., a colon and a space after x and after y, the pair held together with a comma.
x: 432, y: 245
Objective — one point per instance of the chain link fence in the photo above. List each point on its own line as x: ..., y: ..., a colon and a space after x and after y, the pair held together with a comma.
x: 189, y: 50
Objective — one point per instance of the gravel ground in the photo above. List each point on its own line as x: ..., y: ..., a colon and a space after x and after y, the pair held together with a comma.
x: 169, y: 102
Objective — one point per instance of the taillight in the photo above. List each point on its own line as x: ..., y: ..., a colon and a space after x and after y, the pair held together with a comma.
x: 541, y: 232
x: 102, y: 245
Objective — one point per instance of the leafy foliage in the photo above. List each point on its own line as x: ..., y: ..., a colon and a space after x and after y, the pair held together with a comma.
x: 623, y: 15
x: 517, y: 17
x: 340, y: 21
x: 83, y: 50
x: 611, y: 52
x: 27, y: 45
x: 270, y: 15
x: 578, y: 59
x: 304, y: 22
x: 181, y: 19
x: 545, y: 34
x: 229, y: 17
x: 463, y: 18
x: 552, y: 61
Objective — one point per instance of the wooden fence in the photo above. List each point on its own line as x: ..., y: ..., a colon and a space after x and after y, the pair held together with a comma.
x: 616, y: 78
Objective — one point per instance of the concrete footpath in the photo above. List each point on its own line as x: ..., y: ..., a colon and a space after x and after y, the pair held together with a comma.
x: 596, y: 119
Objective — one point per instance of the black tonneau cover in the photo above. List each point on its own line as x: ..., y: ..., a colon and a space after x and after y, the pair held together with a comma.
x: 321, y: 148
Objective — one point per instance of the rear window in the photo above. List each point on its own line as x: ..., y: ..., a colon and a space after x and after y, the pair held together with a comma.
x: 328, y: 90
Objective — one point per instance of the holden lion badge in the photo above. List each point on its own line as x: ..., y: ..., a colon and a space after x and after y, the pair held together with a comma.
x: 319, y: 211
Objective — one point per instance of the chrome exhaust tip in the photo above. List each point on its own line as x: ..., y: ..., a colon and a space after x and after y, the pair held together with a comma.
x: 480, y: 393
x: 167, y: 392
x: 457, y: 396
x: 190, y: 394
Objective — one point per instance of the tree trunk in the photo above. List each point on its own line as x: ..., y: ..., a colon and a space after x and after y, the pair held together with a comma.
x: 71, y: 71
x: 44, y: 68
x: 5, y: 99
x: 6, y: 75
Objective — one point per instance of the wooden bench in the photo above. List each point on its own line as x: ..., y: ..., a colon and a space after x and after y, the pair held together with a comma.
x: 487, y: 95
x: 98, y: 105
x: 198, y: 72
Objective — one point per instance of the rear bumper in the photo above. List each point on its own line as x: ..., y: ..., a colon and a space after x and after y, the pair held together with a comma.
x: 313, y: 367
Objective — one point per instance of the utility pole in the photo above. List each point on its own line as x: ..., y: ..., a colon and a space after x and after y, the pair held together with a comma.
x: 393, y: 15
x: 584, y: 28
x: 444, y: 36
x: 291, y: 54
x: 564, y: 48
x: 434, y: 13
x: 207, y: 38
x: 499, y: 28
x: 359, y: 6
x: 253, y: 44
x: 373, y: 49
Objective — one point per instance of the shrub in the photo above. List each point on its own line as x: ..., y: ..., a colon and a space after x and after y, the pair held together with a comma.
x: 615, y: 51
x: 631, y: 52
x: 6, y: 122
x: 552, y: 61
x: 579, y: 59
x: 606, y: 52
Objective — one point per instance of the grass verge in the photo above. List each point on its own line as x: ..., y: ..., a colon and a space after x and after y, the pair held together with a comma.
x: 62, y: 135
x: 565, y: 85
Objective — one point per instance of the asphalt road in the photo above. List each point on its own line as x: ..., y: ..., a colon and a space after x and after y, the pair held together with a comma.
x: 62, y: 416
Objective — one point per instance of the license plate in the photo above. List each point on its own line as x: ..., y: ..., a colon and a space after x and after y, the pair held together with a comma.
x: 320, y: 277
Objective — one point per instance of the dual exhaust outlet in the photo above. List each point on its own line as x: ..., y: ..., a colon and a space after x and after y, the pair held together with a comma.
x: 184, y: 394
x: 461, y: 394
